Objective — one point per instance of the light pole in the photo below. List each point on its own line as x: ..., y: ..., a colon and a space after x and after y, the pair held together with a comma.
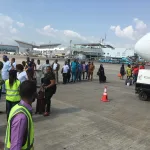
x: 49, y: 48
x: 70, y: 48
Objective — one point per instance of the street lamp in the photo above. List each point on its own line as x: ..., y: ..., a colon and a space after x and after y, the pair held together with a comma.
x: 70, y: 48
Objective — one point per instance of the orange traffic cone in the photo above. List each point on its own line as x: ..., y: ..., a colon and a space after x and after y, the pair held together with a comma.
x: 105, y: 96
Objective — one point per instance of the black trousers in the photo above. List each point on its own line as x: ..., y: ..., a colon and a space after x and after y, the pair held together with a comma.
x: 0, y: 93
x: 0, y: 96
x: 65, y: 78
x: 68, y: 76
x: 48, y: 96
x: 83, y: 74
x: 9, y: 106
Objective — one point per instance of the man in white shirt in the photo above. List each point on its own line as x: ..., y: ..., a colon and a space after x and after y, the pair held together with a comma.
x: 55, y: 67
x: 65, y: 70
x: 21, y: 74
x: 13, y: 64
x: 5, y: 71
x: 38, y: 66
x: 38, y: 72
x: 44, y: 67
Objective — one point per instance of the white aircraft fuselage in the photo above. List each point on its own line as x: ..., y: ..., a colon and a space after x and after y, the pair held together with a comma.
x: 142, y: 47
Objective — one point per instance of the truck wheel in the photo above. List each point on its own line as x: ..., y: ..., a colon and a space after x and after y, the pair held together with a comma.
x: 143, y: 96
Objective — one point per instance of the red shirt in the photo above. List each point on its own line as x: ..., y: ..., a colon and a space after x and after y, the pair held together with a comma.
x: 142, y: 67
x: 136, y: 71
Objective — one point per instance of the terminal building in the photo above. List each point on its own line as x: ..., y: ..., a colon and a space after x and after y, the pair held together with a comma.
x: 118, y: 52
x: 90, y: 50
x: 9, y: 49
x: 101, y: 50
x: 44, y: 49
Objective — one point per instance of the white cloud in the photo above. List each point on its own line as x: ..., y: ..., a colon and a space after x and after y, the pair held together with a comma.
x: 5, y: 21
x: 13, y: 30
x: 72, y: 34
x: 20, y: 24
x: 47, y: 30
x: 140, y: 25
x: 131, y: 32
x: 65, y: 36
x: 7, y: 29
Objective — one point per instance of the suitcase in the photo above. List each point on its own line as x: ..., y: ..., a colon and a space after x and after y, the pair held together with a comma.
x: 104, y: 78
x: 40, y: 105
x: 128, y: 81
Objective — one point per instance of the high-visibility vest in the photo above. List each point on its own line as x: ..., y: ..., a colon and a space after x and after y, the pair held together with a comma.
x: 30, y: 136
x: 12, y: 93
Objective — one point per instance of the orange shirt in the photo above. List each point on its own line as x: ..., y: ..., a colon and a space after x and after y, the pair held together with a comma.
x: 91, y: 68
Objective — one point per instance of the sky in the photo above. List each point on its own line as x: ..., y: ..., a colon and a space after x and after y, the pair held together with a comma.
x: 82, y: 21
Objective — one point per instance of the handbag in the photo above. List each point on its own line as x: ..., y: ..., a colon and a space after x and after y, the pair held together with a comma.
x: 119, y: 75
x: 40, y: 105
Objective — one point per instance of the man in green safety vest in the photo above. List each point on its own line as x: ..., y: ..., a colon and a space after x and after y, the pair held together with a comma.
x: 20, y: 129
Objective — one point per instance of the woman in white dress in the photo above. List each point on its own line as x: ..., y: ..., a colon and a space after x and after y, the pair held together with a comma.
x: 21, y: 74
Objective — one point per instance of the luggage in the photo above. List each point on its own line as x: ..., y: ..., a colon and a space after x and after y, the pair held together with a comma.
x: 104, y: 78
x: 40, y: 105
x: 128, y: 82
x: 119, y: 75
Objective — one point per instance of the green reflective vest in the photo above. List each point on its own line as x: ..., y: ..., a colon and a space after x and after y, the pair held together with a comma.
x: 129, y: 71
x: 12, y: 93
x: 30, y: 136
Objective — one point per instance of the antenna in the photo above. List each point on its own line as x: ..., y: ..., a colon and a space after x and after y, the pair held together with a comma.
x: 105, y: 36
x: 101, y: 40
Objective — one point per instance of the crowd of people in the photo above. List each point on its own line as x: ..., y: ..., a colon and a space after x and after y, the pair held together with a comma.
x: 19, y: 83
x: 13, y: 75
x: 131, y: 71
x: 77, y: 71
x: 46, y: 75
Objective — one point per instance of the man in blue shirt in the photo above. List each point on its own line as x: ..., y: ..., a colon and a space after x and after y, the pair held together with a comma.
x: 79, y: 71
x: 74, y: 70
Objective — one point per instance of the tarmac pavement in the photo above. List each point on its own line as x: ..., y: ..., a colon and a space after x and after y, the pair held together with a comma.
x: 80, y: 121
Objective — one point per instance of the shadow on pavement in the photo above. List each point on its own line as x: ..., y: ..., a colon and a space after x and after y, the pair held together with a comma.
x: 37, y: 118
x: 1, y: 145
x: 2, y: 132
x: 56, y: 112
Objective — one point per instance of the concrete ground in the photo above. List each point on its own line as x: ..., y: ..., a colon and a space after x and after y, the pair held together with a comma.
x: 80, y: 121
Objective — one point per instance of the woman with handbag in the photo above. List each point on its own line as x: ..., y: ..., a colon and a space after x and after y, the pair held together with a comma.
x: 49, y: 85
x: 122, y: 72
x: 40, y: 105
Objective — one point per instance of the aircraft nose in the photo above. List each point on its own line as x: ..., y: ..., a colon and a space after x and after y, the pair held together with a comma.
x: 138, y: 46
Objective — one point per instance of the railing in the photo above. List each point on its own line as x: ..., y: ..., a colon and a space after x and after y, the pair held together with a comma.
x: 96, y: 50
